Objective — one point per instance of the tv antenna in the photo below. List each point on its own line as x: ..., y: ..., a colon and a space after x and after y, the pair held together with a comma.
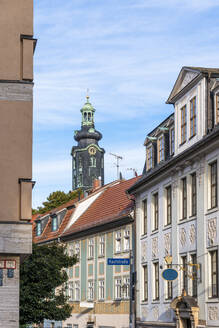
x: 133, y: 170
x: 117, y: 157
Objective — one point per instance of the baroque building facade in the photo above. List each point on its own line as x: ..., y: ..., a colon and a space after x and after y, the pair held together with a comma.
x: 95, y: 228
x: 177, y: 214
x: 87, y: 156
x: 16, y: 106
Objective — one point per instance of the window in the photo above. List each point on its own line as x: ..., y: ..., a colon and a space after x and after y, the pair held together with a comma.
x: 183, y: 124
x: 160, y: 149
x: 217, y: 109
x: 213, y: 182
x: 193, y: 117
x: 80, y: 162
x: 169, y: 294
x: 54, y: 223
x: 145, y: 220
x: 74, y: 326
x: 149, y: 157
x: 126, y: 284
x: 156, y: 211
x: 214, y: 274
x: 71, y: 290
x: 194, y: 275
x: 156, y: 281
x: 38, y: 228
x: 184, y: 273
x: 101, y: 290
x: 90, y: 290
x: 77, y: 248
x: 172, y: 141
x: 69, y: 325
x: 194, y: 195
x: 93, y: 161
x: 169, y: 205
x: 118, y: 288
x: 184, y: 199
x: 145, y: 272
x: 77, y: 290
x: 101, y: 246
x: 126, y: 240
x: 91, y: 248
x: 118, y: 242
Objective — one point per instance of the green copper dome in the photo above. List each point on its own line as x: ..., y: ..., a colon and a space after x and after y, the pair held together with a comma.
x: 87, y: 113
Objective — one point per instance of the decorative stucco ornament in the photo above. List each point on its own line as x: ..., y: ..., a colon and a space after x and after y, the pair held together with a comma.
x: 183, y: 237
x: 213, y: 313
x: 154, y: 247
x: 143, y: 251
x: 212, y: 230
x: 192, y: 234
x: 156, y: 312
x: 167, y: 243
x: 144, y: 312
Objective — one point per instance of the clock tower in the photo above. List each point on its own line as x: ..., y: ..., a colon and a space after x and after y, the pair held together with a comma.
x: 87, y: 156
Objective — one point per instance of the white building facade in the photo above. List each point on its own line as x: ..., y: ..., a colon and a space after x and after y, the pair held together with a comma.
x: 177, y: 216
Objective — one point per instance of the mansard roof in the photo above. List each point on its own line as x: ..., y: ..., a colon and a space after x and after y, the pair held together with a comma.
x: 187, y: 78
x: 107, y: 204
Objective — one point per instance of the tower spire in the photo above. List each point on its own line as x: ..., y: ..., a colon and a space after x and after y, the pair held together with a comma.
x: 87, y: 95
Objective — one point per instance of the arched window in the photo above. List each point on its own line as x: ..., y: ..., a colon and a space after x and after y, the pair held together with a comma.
x: 93, y: 161
x: 85, y: 116
x: 89, y: 117
x: 80, y: 162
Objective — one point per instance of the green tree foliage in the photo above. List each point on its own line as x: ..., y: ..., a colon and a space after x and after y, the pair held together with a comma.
x: 56, y: 199
x: 40, y: 274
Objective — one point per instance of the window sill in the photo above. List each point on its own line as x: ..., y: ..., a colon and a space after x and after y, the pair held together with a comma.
x: 154, y: 232
x: 167, y: 300
x: 90, y: 258
x: 211, y: 210
x: 126, y: 251
x: 144, y: 236
x: 101, y: 256
x: 157, y: 301
x: 144, y: 302
x: 187, y: 220
x: 192, y: 136
x: 212, y: 300
x: 119, y: 252
x: 167, y: 226
x: 182, y: 143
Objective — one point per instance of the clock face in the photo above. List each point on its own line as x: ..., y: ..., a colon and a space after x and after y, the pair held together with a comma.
x: 92, y: 150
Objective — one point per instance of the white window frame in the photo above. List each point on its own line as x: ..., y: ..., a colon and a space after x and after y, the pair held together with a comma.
x: 126, y: 287
x: 91, y: 248
x: 71, y: 290
x: 160, y: 149
x: 149, y: 151
x: 118, y: 288
x: 77, y: 290
x: 102, y: 245
x: 126, y: 242
x: 90, y: 290
x: 101, y: 289
x: 77, y: 248
x: 118, y: 241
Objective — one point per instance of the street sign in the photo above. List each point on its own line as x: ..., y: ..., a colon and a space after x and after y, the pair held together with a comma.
x: 169, y: 274
x: 112, y: 261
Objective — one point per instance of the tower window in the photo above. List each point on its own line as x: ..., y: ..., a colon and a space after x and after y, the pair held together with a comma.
x: 89, y: 117
x: 85, y: 116
x: 93, y: 161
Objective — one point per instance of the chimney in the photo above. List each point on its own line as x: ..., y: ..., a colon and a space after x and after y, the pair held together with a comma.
x: 96, y: 184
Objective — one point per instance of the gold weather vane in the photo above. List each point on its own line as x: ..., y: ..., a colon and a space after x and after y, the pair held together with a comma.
x: 87, y: 96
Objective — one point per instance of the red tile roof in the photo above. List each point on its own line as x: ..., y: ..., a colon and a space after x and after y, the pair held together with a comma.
x: 112, y: 204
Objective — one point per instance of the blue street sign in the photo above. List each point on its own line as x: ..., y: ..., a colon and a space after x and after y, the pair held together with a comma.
x: 169, y: 274
x: 112, y: 261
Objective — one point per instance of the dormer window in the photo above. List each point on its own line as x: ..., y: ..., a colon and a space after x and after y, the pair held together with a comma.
x: 54, y: 223
x: 172, y: 143
x: 149, y: 157
x: 183, y: 124
x: 161, y: 149
x: 193, y: 117
x: 217, y: 109
x: 38, y: 228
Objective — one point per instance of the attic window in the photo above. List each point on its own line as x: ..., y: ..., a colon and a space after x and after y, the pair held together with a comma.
x: 161, y: 149
x: 54, y: 223
x: 217, y: 108
x: 149, y: 157
x: 38, y: 228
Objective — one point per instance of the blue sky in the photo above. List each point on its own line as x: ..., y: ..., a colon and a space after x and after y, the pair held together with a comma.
x: 128, y: 53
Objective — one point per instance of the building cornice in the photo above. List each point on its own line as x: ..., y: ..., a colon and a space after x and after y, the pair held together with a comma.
x: 160, y: 169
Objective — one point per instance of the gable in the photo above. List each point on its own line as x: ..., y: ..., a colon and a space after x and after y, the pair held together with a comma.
x: 186, y: 75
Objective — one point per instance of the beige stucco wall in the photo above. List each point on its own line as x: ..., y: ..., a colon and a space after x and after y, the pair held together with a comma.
x: 16, y: 18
